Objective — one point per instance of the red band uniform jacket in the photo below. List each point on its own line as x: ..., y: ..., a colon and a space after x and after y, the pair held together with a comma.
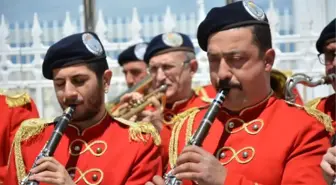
x: 113, y: 151
x: 271, y: 143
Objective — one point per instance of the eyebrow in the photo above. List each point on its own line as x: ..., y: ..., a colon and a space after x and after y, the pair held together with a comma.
x: 232, y: 52
x: 73, y: 76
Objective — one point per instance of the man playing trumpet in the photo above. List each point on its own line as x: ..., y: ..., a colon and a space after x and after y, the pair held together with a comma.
x: 172, y: 63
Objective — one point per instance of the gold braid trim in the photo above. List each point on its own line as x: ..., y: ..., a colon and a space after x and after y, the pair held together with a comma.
x: 179, y: 120
x: 137, y: 129
x: 313, y: 103
x: 15, y: 99
x: 28, y: 129
x: 199, y: 91
x: 320, y: 116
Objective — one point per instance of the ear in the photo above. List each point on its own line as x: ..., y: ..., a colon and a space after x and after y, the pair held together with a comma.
x: 193, y: 66
x: 269, y: 58
x: 107, y: 79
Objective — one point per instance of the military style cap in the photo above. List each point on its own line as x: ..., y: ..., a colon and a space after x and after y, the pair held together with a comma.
x: 166, y: 42
x: 74, y: 49
x: 133, y: 53
x: 237, y: 14
x: 327, y: 33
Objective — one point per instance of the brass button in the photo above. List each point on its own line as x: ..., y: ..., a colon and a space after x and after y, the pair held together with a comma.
x: 222, y: 155
x: 245, y: 155
x: 94, y: 177
x: 231, y: 124
x: 255, y: 127
x: 99, y: 150
x: 77, y: 148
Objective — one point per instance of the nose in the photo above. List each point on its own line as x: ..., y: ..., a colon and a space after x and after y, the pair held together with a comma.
x: 70, y: 93
x: 224, y: 71
x: 160, y: 76
x: 129, y: 80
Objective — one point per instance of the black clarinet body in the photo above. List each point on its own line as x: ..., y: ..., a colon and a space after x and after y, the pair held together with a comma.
x: 50, y: 147
x: 202, y: 131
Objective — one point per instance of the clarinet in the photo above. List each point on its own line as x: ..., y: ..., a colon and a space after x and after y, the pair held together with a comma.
x: 202, y: 131
x: 50, y: 147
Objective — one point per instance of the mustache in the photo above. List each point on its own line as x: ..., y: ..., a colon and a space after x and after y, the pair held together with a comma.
x: 227, y: 84
x: 69, y: 102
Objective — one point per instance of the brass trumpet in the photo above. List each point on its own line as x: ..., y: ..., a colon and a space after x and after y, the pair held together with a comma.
x: 301, y: 78
x: 135, y: 108
x: 140, y: 87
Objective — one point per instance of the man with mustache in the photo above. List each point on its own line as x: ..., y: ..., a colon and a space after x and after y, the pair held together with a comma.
x: 278, y: 80
x: 95, y: 148
x: 256, y: 137
x: 134, y: 67
x: 326, y: 46
x: 15, y: 107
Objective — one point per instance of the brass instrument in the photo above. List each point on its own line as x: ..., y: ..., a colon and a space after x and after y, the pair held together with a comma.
x: 50, y: 147
x: 134, y: 108
x: 301, y: 78
x: 202, y: 131
x: 278, y: 83
x: 140, y: 87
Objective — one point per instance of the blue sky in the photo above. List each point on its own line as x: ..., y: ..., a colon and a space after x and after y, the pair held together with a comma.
x: 23, y: 10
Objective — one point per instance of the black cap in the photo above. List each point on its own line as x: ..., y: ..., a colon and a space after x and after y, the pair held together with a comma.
x: 237, y: 14
x: 133, y: 53
x: 166, y: 42
x: 327, y: 33
x: 74, y: 49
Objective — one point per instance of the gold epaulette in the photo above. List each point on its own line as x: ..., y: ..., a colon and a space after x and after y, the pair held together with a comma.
x: 325, y: 119
x: 28, y: 129
x: 15, y: 98
x: 178, y: 121
x: 200, y: 91
x: 138, y: 129
x: 313, y: 103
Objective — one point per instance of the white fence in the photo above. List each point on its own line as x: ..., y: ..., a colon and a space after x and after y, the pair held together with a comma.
x: 22, y: 49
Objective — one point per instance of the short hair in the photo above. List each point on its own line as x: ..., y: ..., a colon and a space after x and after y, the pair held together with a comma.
x: 262, y: 38
x: 98, y: 67
x: 190, y: 55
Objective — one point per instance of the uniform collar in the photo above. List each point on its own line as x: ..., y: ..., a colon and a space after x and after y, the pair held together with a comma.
x: 99, y: 127
x: 179, y: 107
x: 253, y: 111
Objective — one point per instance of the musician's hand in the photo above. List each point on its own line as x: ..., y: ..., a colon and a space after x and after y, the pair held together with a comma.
x: 200, y: 166
x: 128, y: 99
x: 328, y: 164
x: 157, y: 180
x: 154, y: 116
x: 50, y: 171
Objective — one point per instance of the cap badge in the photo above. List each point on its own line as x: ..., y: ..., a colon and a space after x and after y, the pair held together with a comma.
x: 254, y: 10
x: 172, y: 39
x: 139, y: 50
x: 92, y: 44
